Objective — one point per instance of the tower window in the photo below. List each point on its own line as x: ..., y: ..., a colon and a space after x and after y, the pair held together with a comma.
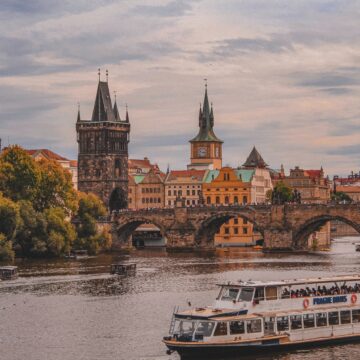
x: 98, y: 172
x: 117, y: 167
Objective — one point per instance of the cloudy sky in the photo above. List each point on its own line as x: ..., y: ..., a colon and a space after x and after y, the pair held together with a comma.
x: 282, y: 75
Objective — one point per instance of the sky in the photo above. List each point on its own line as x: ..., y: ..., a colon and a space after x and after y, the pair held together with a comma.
x: 282, y: 75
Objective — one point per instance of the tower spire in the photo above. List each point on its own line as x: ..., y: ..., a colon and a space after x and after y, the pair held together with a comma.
x: 78, y: 115
x: 107, y: 75
x: 127, y: 114
x: 115, y: 110
x: 99, y: 73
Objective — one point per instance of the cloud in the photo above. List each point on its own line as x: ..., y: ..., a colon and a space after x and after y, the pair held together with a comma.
x: 173, y: 8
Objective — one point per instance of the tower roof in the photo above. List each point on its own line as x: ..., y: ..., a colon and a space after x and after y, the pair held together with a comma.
x: 103, y: 110
x: 206, y: 123
x: 255, y: 160
x: 116, y: 112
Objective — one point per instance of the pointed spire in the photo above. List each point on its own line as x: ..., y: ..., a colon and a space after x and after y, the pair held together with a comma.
x: 255, y: 160
x: 200, y: 116
x: 211, y: 116
x: 107, y: 75
x: 78, y: 115
x: 115, y: 110
x: 127, y: 115
x: 103, y: 110
x: 99, y: 73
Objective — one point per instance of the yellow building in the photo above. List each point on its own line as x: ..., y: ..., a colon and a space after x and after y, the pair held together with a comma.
x: 230, y: 186
x: 206, y: 147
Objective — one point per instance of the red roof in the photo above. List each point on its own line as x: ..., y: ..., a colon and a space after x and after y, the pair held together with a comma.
x: 198, y: 174
x: 46, y: 153
x: 73, y: 163
x: 314, y: 173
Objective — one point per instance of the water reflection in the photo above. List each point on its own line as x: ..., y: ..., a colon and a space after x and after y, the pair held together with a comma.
x: 66, y: 309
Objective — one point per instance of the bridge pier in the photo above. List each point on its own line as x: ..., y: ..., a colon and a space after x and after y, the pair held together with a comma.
x: 278, y: 239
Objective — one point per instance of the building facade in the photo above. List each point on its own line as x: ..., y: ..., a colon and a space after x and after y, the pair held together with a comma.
x: 225, y: 187
x: 185, y: 185
x: 103, y: 151
x: 205, y: 147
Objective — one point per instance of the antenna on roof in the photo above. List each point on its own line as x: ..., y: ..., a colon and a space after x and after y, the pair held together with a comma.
x: 107, y: 75
x: 99, y: 73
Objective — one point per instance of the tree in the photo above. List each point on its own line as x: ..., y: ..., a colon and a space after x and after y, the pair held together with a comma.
x: 8, y: 217
x: 89, y: 237
x: 340, y: 196
x: 55, y: 188
x: 281, y: 194
x: 19, y: 175
x: 6, y: 251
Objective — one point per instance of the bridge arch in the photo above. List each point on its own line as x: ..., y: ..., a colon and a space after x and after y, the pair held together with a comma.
x: 301, y: 235
x: 126, y: 227
x: 208, y: 228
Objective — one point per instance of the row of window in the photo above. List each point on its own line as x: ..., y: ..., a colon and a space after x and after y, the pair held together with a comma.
x: 235, y: 230
x: 181, y: 186
x: 293, y: 322
x: 226, y: 189
x: 151, y: 200
x: 180, y: 192
x: 188, y: 202
x: 227, y: 200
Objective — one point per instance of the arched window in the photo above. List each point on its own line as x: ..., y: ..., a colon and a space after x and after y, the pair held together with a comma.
x: 236, y: 200
x: 226, y: 199
x: 208, y: 200
x: 117, y: 168
x: 217, y: 200
x: 245, y: 200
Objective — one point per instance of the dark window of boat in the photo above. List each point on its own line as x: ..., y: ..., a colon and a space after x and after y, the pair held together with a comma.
x: 253, y: 326
x: 345, y: 317
x: 221, y: 329
x: 271, y: 292
x: 246, y: 294
x: 237, y: 327
x: 295, y: 322
x: 309, y: 320
x: 321, y: 319
x: 205, y: 328
x: 282, y: 323
x: 333, y: 318
x: 356, y: 316
x: 229, y: 294
x: 259, y: 294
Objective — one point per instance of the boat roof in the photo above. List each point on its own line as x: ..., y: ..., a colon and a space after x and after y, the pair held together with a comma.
x: 317, y: 280
x: 8, y: 267
x: 206, y: 312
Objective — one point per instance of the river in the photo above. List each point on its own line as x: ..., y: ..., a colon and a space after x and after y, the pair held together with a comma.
x: 67, y: 309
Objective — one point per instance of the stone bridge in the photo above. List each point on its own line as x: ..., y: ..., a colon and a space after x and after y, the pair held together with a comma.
x: 282, y: 226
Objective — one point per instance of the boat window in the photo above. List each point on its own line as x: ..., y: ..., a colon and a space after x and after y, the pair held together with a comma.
x: 309, y: 320
x: 229, y: 294
x: 295, y: 322
x: 253, y: 326
x: 282, y: 323
x: 333, y: 318
x: 246, y: 294
x: 285, y: 293
x: 237, y: 327
x: 221, y: 329
x: 356, y: 316
x: 186, y: 327
x: 259, y: 294
x: 271, y: 293
x: 345, y: 317
x: 205, y: 328
x: 321, y: 319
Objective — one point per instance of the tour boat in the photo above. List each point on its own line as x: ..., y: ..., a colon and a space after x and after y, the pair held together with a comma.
x: 264, y: 331
x: 246, y: 297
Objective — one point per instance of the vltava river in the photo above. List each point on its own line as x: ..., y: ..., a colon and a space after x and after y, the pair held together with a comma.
x: 66, y: 310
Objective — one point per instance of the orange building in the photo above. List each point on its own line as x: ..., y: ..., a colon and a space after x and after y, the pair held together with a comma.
x: 230, y: 186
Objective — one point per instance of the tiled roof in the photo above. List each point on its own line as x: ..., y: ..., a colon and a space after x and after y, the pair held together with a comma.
x: 198, y: 174
x: 314, y: 173
x: 138, y: 178
x: 348, y: 189
x: 73, y: 163
x: 246, y: 175
x: 47, y: 154
x: 211, y: 175
x: 255, y: 160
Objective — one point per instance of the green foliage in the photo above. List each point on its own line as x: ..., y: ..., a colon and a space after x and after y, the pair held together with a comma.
x: 19, y: 175
x: 281, y: 193
x: 88, y: 236
x: 6, y: 251
x: 8, y: 217
x: 340, y: 196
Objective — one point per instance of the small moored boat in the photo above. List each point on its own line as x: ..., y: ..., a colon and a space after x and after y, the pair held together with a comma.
x: 123, y: 269
x: 8, y: 272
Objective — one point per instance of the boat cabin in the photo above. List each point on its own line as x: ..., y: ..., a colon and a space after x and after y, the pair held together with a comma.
x: 8, y: 272
x: 123, y: 269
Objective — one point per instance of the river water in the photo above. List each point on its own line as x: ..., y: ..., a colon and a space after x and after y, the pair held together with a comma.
x: 66, y: 309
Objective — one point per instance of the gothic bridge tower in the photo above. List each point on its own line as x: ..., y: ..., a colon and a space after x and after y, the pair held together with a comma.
x: 206, y: 147
x: 103, y: 151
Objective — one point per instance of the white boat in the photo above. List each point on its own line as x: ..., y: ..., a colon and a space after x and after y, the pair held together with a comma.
x: 264, y: 331
x: 246, y: 297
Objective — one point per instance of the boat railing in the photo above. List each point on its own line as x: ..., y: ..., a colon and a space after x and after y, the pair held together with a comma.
x: 172, y: 322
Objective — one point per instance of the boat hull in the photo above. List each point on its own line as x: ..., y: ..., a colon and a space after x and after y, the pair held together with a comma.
x: 194, y: 350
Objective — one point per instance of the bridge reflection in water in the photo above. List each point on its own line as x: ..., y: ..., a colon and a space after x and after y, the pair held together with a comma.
x: 283, y: 227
